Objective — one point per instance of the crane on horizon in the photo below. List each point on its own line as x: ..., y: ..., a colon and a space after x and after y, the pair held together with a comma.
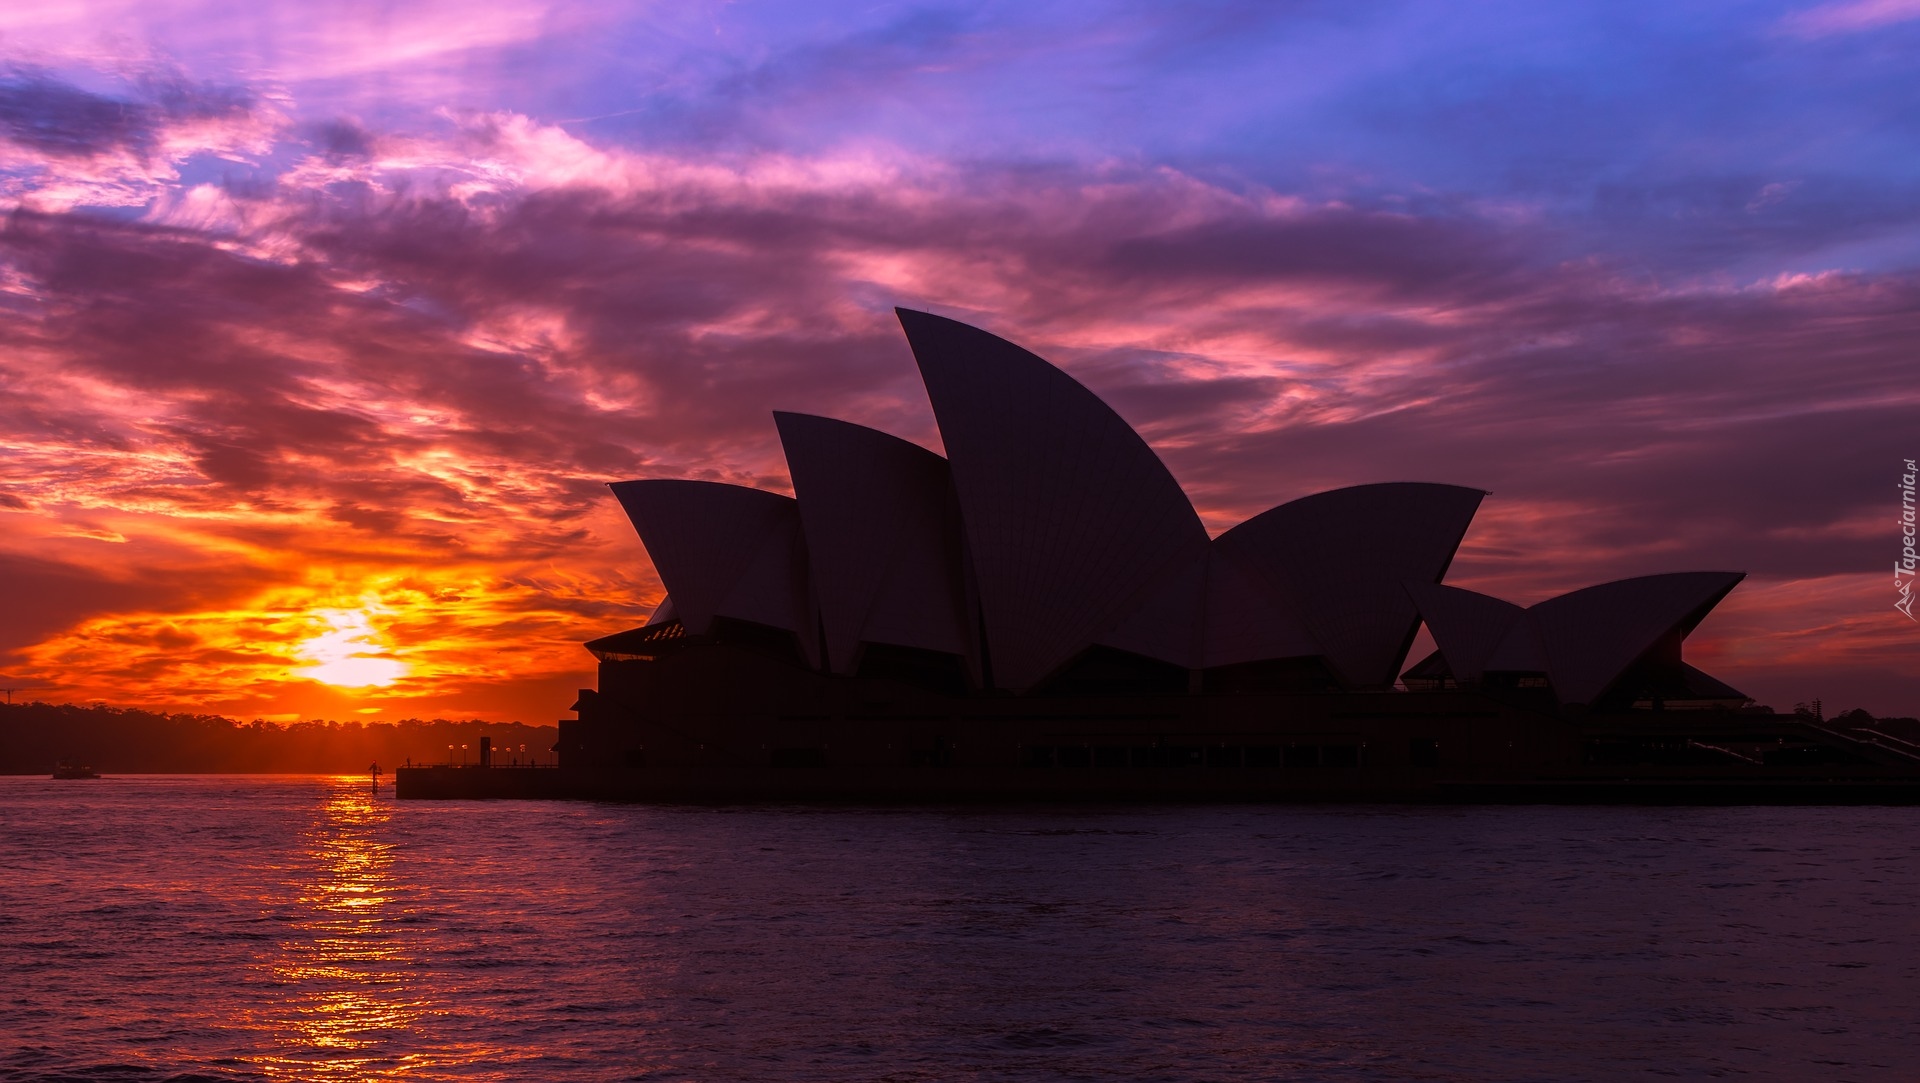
x: 21, y: 688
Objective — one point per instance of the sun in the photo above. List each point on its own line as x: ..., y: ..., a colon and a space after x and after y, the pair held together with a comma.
x: 349, y: 656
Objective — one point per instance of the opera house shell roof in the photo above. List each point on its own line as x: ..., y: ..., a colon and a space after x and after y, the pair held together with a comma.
x: 1051, y: 540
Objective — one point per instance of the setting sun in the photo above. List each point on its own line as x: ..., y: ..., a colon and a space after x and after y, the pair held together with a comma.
x: 351, y: 655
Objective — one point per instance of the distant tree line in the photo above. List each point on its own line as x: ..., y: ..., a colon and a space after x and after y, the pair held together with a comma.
x: 35, y: 736
x: 1906, y: 729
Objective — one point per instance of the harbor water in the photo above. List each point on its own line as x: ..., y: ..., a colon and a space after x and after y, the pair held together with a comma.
x: 303, y: 928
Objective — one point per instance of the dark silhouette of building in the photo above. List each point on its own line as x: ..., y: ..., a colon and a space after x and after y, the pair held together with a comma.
x: 1041, y: 613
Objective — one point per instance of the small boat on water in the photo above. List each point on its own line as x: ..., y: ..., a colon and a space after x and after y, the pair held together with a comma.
x: 63, y: 769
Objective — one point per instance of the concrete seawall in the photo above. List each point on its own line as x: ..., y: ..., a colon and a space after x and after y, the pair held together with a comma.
x: 458, y: 783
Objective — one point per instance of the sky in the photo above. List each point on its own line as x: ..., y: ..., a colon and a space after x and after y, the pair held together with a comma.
x: 323, y: 327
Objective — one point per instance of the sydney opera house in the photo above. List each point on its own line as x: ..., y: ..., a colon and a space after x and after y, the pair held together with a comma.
x: 1041, y: 614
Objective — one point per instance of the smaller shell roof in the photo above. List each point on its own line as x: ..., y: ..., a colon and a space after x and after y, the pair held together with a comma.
x: 1584, y: 640
x: 1467, y: 626
x: 722, y: 550
x: 1592, y: 635
x: 1341, y: 556
x: 883, y: 537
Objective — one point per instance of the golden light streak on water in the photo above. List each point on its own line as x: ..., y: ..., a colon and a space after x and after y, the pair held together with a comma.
x: 346, y: 957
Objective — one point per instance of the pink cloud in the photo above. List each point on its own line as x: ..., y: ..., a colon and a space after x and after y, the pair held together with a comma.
x: 1850, y: 17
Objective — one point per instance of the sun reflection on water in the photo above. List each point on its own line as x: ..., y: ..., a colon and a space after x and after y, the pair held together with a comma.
x: 344, y: 973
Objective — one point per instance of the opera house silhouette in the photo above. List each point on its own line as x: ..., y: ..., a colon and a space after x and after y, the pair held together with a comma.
x: 1041, y: 614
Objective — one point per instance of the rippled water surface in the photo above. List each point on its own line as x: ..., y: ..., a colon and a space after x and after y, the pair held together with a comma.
x: 300, y: 928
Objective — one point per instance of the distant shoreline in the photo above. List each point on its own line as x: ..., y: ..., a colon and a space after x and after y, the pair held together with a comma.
x: 122, y: 741
x: 386, y: 774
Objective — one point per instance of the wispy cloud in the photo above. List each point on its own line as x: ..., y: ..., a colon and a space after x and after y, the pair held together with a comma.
x: 1851, y: 16
x: 62, y: 146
